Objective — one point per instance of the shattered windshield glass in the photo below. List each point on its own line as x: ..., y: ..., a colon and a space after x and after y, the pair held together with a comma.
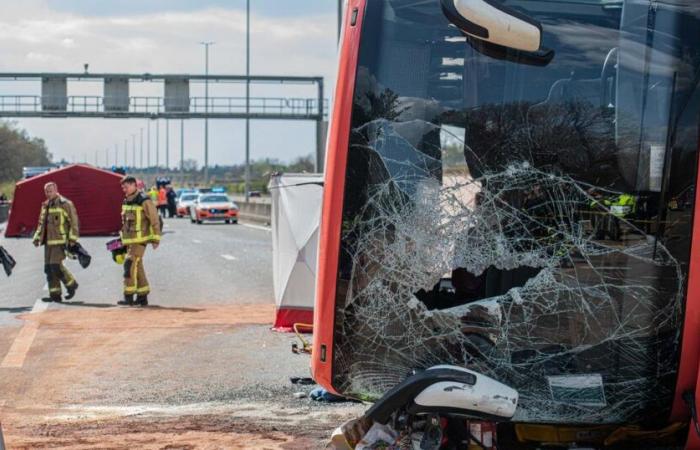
x: 529, y: 221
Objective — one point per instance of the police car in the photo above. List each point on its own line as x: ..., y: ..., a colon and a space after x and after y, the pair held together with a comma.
x: 213, y: 207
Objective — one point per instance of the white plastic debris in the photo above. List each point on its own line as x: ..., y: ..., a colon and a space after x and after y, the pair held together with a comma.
x: 376, y: 435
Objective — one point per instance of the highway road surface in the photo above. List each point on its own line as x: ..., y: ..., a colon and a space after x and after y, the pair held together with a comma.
x: 200, y: 368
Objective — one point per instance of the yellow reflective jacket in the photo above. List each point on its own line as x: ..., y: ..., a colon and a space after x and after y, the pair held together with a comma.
x: 58, y: 222
x: 140, y: 221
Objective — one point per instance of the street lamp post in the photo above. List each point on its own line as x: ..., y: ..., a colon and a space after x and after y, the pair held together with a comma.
x: 157, y: 145
x: 148, y: 144
x: 167, y: 144
x: 206, y: 110
x: 247, y: 100
x: 340, y: 18
x: 182, y: 149
x: 141, y: 150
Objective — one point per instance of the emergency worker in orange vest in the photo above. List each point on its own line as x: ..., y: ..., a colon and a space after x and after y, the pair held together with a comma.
x: 58, y: 227
x: 140, y: 227
x: 162, y: 201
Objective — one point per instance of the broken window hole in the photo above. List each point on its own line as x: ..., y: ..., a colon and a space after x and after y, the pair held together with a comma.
x: 464, y: 287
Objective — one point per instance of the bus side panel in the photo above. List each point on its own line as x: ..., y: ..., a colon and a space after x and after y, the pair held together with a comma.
x: 334, y: 186
x: 688, y: 379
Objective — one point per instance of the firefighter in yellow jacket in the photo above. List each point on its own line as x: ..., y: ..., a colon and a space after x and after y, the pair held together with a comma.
x: 58, y: 227
x: 140, y: 226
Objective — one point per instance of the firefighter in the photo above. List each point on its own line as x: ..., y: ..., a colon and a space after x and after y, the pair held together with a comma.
x: 57, y: 228
x: 140, y: 226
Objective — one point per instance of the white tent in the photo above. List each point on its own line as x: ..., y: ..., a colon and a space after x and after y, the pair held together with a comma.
x: 296, y: 215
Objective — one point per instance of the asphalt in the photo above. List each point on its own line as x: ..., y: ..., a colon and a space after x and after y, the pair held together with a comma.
x: 200, y: 368
x: 195, y: 265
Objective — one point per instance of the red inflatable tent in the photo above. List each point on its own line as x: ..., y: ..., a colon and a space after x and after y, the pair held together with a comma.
x: 96, y: 194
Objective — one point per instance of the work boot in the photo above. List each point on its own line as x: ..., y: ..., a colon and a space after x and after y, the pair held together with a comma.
x: 70, y: 291
x: 128, y: 300
x: 53, y: 298
x: 142, y: 300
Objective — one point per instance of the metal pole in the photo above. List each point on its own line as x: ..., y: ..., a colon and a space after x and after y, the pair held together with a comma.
x: 167, y: 144
x: 157, y: 144
x: 206, y: 111
x: 106, y: 157
x: 340, y: 18
x: 320, y: 144
x: 96, y: 164
x: 141, y: 150
x: 116, y: 154
x: 133, y: 150
x: 148, y: 144
x: 126, y: 144
x: 247, y: 100
x: 182, y: 147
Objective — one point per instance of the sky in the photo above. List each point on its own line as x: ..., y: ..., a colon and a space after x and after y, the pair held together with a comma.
x: 288, y: 37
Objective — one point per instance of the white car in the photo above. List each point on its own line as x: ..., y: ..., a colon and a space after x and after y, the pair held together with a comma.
x: 184, y: 204
x: 213, y: 207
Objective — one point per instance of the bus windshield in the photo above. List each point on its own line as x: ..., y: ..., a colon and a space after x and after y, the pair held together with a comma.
x: 526, y: 219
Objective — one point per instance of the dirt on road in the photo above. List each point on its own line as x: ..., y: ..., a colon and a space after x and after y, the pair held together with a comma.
x: 93, y: 376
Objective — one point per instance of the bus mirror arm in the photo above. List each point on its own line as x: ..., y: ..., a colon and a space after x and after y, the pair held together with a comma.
x: 541, y: 57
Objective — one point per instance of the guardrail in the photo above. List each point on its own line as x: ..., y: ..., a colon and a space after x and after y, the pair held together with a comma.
x: 4, y: 211
x: 94, y: 104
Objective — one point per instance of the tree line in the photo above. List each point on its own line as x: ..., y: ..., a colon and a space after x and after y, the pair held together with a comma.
x: 18, y: 150
x: 231, y: 176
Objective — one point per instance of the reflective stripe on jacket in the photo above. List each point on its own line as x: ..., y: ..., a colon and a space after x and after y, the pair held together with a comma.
x: 58, y: 222
x: 140, y: 222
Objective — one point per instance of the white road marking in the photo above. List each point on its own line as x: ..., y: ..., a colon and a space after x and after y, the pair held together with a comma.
x: 23, y: 342
x: 39, y: 306
x: 229, y: 257
x: 257, y: 227
x: 196, y: 241
x: 20, y: 347
x: 46, y: 286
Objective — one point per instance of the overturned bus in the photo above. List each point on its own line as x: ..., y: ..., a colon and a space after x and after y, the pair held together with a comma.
x: 509, y: 197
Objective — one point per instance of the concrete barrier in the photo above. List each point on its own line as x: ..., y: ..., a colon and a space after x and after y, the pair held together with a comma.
x: 4, y: 212
x: 255, y: 212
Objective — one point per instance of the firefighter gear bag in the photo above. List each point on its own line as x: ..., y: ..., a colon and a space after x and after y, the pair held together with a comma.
x: 8, y: 262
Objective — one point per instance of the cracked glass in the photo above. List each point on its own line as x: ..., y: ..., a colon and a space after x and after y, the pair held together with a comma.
x: 527, y: 220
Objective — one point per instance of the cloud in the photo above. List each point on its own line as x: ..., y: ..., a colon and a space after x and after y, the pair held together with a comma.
x: 36, y: 38
x: 41, y: 58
